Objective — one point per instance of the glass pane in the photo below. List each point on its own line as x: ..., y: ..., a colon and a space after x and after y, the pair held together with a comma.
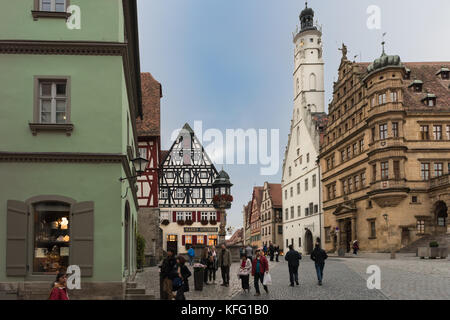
x: 61, y: 105
x: 46, y: 89
x: 60, y: 6
x: 46, y: 105
x: 46, y: 5
x: 60, y: 89
x: 60, y: 117
x: 52, y: 240
x: 46, y: 117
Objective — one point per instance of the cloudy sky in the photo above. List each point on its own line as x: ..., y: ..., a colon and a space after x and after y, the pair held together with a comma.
x: 229, y: 63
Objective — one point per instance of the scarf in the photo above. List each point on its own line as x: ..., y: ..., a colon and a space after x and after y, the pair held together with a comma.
x: 243, y: 264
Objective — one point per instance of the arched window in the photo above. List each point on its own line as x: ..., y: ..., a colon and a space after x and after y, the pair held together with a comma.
x: 298, y: 135
x: 312, y: 81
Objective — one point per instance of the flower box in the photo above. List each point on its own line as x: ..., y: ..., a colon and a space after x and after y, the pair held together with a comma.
x: 213, y: 222
x: 181, y: 222
x: 165, y: 222
x: 189, y: 222
x: 204, y: 222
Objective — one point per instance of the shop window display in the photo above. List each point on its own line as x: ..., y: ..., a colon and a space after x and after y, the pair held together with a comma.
x: 51, y: 238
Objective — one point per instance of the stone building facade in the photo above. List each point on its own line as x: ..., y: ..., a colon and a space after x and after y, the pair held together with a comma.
x: 271, y: 215
x: 385, y: 154
x: 255, y: 217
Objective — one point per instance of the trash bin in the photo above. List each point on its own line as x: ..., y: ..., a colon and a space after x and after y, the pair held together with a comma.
x: 198, y: 278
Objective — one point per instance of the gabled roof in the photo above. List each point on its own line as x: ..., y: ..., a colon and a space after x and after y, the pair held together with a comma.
x: 275, y: 194
x: 151, y: 96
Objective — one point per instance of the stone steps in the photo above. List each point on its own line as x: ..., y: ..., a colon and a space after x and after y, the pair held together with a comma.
x: 133, y: 292
x: 443, y: 240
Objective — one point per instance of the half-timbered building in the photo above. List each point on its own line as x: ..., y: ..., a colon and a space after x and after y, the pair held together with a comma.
x: 187, y: 213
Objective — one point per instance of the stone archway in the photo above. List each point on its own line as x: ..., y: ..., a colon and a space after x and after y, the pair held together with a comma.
x: 440, y: 216
x: 309, y: 245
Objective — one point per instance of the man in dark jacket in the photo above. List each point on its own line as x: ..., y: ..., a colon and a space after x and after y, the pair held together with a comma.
x: 168, y: 273
x: 319, y: 256
x: 293, y: 258
x: 224, y: 262
x: 260, y: 267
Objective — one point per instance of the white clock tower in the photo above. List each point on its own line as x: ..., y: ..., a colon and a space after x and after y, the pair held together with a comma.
x: 301, y: 187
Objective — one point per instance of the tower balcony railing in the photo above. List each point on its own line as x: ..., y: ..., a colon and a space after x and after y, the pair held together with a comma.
x: 386, y: 143
x: 440, y: 181
x: 384, y: 108
x: 388, y: 184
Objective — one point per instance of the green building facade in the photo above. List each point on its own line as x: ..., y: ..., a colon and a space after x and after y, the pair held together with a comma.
x: 69, y: 98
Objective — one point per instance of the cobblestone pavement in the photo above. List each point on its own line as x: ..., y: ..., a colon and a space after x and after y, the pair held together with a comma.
x: 406, y: 277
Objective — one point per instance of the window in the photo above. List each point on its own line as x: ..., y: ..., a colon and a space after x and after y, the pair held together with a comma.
x: 285, y: 194
x: 356, y: 178
x: 201, y: 239
x: 299, y: 242
x: 52, y: 5
x: 448, y: 132
x: 327, y: 234
x: 52, y: 105
x: 180, y: 193
x: 280, y: 229
x: 307, y: 158
x: 188, y: 239
x: 363, y: 180
x: 52, y: 237
x: 395, y: 129
x: 203, y: 175
x: 373, y: 230
x: 355, y: 149
x: 394, y: 96
x: 298, y: 188
x: 420, y: 226
x: 164, y: 193
x: 437, y: 132
x: 350, y: 185
x: 306, y: 184
x: 169, y: 175
x: 424, y: 133
x: 180, y: 216
x: 361, y: 145
x: 292, y: 212
x: 438, y: 169
x: 292, y: 191
x: 186, y: 177
x: 374, y: 172
x: 414, y: 199
x: 383, y: 131
x: 188, y: 215
x: 396, y: 169
x: 311, y: 208
x: 290, y: 171
x: 208, y: 193
x: 314, y: 181
x: 343, y: 155
x: 349, y: 152
x: 373, y: 134
x: 306, y: 212
x: 425, y: 171
x: 316, y: 208
x: 204, y: 216
x: 344, y: 186
x: 384, y: 170
x: 299, y: 211
x: 196, y: 193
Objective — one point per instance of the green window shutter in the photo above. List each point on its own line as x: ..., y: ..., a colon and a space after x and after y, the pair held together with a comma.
x: 16, y: 235
x: 82, y: 237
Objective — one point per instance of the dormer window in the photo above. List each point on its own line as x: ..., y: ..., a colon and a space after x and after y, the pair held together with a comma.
x: 444, y: 73
x: 407, y: 74
x: 417, y: 85
x: 429, y: 100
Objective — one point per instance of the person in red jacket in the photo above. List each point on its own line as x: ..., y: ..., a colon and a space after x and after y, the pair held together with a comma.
x: 59, y: 290
x: 260, y: 267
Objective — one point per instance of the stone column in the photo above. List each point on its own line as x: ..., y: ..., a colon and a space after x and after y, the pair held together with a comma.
x: 223, y: 223
x: 353, y: 228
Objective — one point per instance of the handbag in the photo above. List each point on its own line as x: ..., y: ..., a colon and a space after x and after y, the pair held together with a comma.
x: 267, y: 279
x: 177, y: 283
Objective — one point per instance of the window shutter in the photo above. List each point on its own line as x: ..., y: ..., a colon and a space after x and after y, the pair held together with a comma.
x: 174, y: 216
x: 206, y: 241
x: 194, y: 240
x: 183, y: 240
x: 218, y: 216
x: 16, y: 235
x: 82, y: 237
x: 199, y: 216
x: 194, y: 217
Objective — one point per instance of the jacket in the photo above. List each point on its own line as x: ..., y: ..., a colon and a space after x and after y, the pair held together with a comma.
x: 168, y: 268
x: 247, y: 269
x: 263, y: 266
x: 319, y: 255
x: 191, y: 252
x: 249, y: 251
x: 293, y: 258
x: 211, y: 265
x: 59, y: 292
x: 224, y: 258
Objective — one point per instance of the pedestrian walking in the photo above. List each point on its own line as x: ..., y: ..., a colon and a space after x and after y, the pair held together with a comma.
x: 249, y: 252
x: 244, y: 272
x: 265, y: 250
x: 211, y: 269
x: 224, y: 262
x: 271, y: 251
x: 277, y: 253
x: 204, y: 261
x: 260, y: 267
x: 319, y: 256
x: 59, y: 288
x: 168, y: 273
x: 191, y: 255
x: 355, y: 247
x: 293, y: 258
x: 183, y: 273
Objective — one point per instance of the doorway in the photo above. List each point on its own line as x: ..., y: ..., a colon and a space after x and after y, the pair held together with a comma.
x: 308, y: 241
x: 172, y: 243
x: 348, y: 234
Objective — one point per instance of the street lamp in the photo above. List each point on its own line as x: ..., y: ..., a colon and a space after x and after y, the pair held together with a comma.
x: 139, y: 165
x: 222, y: 200
x: 385, y: 216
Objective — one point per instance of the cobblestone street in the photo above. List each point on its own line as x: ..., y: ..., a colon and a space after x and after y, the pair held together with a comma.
x: 344, y: 279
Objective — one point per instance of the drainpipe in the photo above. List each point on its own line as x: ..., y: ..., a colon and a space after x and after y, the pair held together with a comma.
x: 320, y: 202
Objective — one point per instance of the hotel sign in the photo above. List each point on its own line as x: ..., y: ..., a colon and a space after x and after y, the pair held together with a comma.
x: 200, y: 229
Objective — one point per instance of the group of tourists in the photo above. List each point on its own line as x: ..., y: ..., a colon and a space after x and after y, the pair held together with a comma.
x: 213, y: 260
x: 258, y: 267
x: 271, y: 251
x: 174, y: 276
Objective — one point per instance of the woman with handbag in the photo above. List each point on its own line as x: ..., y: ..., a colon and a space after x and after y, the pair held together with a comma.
x: 244, y: 272
x: 181, y: 283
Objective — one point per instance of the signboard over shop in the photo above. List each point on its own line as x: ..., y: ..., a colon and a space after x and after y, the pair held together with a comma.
x: 200, y: 229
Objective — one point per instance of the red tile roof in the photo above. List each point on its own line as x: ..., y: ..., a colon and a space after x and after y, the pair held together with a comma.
x: 236, y: 237
x: 275, y: 194
x: 151, y: 96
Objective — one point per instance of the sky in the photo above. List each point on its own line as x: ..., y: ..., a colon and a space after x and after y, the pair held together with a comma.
x: 229, y: 63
